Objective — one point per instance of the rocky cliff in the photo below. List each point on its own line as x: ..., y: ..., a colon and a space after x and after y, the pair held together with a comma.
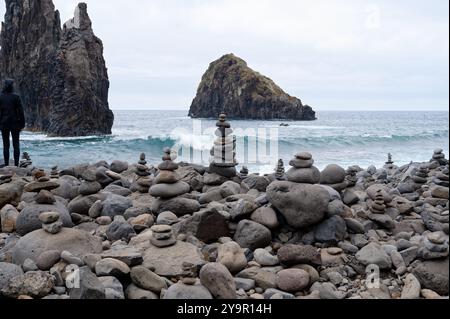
x: 60, y: 73
x: 230, y: 86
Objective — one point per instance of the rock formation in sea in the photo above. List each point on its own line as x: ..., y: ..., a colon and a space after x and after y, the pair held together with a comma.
x: 60, y: 73
x: 230, y: 86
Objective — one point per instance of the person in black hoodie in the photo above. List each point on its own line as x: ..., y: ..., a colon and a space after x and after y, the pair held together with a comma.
x: 12, y: 120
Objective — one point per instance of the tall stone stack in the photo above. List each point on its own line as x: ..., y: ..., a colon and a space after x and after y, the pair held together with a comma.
x: 302, y: 170
x: 26, y: 160
x: 439, y: 157
x: 280, y: 171
x: 223, y: 160
x: 143, y: 176
x: 420, y: 176
x: 377, y: 214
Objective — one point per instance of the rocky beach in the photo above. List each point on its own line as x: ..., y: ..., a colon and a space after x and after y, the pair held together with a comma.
x: 174, y: 230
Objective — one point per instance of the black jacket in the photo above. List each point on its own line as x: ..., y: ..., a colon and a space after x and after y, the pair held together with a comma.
x: 12, y: 116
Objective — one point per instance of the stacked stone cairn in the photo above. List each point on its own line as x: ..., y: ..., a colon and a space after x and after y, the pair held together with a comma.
x: 351, y: 179
x: 54, y: 173
x: 51, y: 222
x: 167, y: 183
x: 377, y: 208
x: 439, y: 157
x: 162, y: 236
x: 420, y: 176
x: 302, y: 170
x: 144, y: 179
x: 280, y: 171
x: 89, y: 185
x: 434, y: 245
x: 442, y: 178
x: 223, y: 160
x: 243, y: 174
x: 26, y: 160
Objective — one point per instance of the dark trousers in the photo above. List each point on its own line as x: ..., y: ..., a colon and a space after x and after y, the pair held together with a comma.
x: 6, y: 145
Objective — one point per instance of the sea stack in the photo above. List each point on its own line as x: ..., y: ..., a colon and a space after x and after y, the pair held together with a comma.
x: 230, y: 86
x: 60, y: 73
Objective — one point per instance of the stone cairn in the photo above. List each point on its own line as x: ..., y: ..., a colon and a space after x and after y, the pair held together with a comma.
x: 162, y: 236
x: 89, y: 185
x: 378, y: 205
x: 167, y: 183
x: 302, y: 170
x: 434, y: 245
x: 351, y: 179
x: 54, y: 173
x: 190, y: 273
x: 420, y: 176
x: 442, y: 178
x: 51, y: 222
x: 223, y: 160
x: 280, y: 171
x: 144, y: 179
x: 389, y: 165
x: 26, y: 160
x: 243, y: 174
x: 439, y: 157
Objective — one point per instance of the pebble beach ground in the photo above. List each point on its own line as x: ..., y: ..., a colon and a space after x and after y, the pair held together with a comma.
x: 183, y: 231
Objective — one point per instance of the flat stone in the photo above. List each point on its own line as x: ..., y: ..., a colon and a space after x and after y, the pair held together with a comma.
x: 111, y: 267
x: 169, y: 190
x: 303, y: 175
x: 146, y: 279
x: 49, y: 217
x: 129, y: 255
x: 167, y: 262
x: 299, y: 254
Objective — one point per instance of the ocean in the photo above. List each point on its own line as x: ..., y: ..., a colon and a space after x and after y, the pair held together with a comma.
x: 344, y: 138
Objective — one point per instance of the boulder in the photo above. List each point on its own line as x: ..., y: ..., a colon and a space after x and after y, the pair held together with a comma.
x: 433, y: 275
x: 28, y: 219
x: 35, y: 284
x: 180, y: 206
x: 115, y: 205
x: 7, y: 272
x: 373, y: 253
x: 331, y: 231
x: 332, y: 174
x: 302, y: 205
x: 265, y: 216
x: 252, y: 235
x: 77, y: 242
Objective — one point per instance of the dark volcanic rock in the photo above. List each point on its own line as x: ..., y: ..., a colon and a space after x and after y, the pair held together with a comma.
x: 230, y: 86
x: 60, y: 73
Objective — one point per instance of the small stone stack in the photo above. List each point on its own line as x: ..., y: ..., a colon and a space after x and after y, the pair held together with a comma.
x: 420, y: 176
x: 442, y: 178
x: 434, y: 245
x: 191, y: 273
x: 167, y: 183
x: 280, y: 171
x: 89, y: 185
x: 144, y: 180
x: 26, y: 160
x: 243, y: 174
x: 351, y: 179
x: 439, y: 157
x: 162, y: 236
x: 378, y: 206
x: 223, y: 160
x: 302, y: 170
x: 378, y: 214
x: 51, y: 222
x: 389, y: 163
x: 141, y: 168
x: 54, y: 173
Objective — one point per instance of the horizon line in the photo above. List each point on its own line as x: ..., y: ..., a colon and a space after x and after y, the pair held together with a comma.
x: 326, y: 110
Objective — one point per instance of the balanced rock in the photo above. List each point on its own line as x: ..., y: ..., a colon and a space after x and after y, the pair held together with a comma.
x: 223, y: 161
x: 162, y: 236
x: 302, y: 170
x: 280, y: 171
x: 334, y: 176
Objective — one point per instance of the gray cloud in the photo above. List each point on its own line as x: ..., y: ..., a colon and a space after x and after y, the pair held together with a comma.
x: 348, y: 54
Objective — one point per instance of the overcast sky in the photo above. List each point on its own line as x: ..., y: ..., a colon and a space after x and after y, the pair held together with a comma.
x: 334, y: 55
